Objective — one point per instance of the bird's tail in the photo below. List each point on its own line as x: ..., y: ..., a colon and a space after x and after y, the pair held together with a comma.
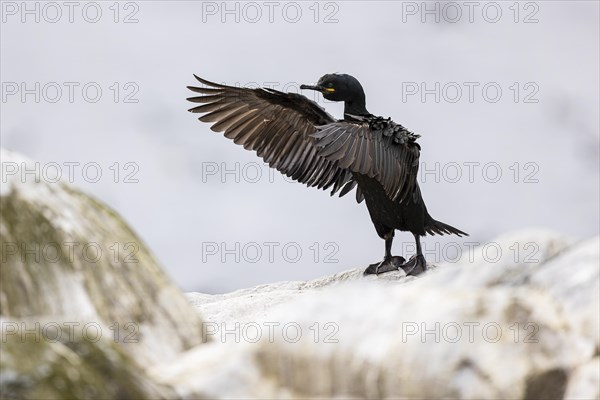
x: 439, y: 228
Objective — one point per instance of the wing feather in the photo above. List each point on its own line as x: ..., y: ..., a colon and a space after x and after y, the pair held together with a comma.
x: 391, y: 157
x: 278, y: 127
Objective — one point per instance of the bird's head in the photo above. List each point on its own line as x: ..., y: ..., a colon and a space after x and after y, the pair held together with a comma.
x: 338, y: 87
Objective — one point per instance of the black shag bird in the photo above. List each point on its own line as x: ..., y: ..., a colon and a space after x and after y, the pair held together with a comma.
x: 300, y: 139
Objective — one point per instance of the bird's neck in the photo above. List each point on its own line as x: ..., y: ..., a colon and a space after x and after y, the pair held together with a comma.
x: 356, y: 106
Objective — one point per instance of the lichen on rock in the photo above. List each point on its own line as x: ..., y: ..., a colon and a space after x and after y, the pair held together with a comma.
x: 69, y: 259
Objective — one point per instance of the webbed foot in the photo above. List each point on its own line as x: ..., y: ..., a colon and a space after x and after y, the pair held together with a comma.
x: 415, y: 266
x: 390, y: 264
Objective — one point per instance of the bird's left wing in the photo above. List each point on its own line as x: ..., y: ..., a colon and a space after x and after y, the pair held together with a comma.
x: 375, y: 147
x: 276, y: 125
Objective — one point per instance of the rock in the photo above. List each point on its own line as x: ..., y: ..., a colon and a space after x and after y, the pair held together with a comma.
x: 508, y: 259
x: 574, y: 283
x: 425, y: 342
x: 69, y: 259
x: 255, y: 303
x: 45, y: 368
x: 515, y: 318
x: 233, y: 372
x: 479, y: 328
x: 585, y: 381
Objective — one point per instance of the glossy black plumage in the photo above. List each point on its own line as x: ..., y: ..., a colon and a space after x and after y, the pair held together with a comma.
x: 300, y: 139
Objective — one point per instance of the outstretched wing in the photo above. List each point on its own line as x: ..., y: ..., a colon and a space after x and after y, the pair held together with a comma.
x: 375, y: 147
x: 277, y: 125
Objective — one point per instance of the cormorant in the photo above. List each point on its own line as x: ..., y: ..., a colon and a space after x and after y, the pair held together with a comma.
x: 300, y: 139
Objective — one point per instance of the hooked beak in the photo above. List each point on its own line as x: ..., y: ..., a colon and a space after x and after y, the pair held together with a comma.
x: 316, y: 87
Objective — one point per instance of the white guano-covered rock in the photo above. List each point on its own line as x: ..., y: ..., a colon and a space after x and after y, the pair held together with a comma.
x: 501, y: 327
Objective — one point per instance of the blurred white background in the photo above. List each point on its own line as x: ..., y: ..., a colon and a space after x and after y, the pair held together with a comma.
x: 186, y: 214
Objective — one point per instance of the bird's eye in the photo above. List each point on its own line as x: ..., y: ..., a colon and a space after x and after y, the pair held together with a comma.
x: 330, y: 84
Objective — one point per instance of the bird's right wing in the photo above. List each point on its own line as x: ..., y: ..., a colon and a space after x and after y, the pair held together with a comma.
x: 276, y: 125
x: 375, y: 147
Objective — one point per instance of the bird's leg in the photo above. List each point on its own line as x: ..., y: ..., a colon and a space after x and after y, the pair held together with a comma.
x: 389, y: 263
x: 417, y: 264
